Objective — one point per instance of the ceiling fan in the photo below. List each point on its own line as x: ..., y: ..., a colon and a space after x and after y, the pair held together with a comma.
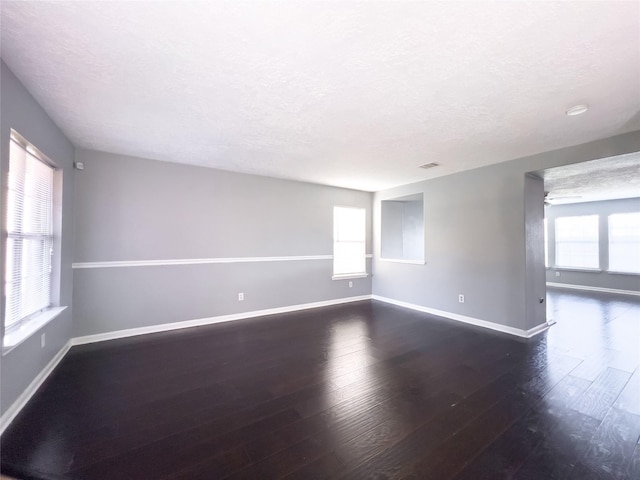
x: 550, y: 199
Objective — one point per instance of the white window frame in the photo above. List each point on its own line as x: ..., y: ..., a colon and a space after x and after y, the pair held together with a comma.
x: 355, y: 241
x: 623, y: 267
x: 35, y: 316
x: 576, y: 239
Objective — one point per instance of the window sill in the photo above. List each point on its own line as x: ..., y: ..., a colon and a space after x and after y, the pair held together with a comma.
x: 402, y: 260
x: 612, y: 272
x: 577, y: 269
x: 15, y: 338
x: 349, y: 276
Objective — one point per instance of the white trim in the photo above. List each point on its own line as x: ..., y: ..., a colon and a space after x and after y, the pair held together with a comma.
x: 593, y: 289
x: 199, y: 261
x: 348, y: 276
x: 400, y: 260
x: 130, y: 332
x: 196, y: 261
x: 33, y: 387
x: 577, y: 269
x: 465, y: 319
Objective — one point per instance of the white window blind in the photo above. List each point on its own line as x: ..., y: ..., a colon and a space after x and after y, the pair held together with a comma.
x: 29, y: 235
x: 349, y: 241
x: 624, y: 242
x: 577, y: 242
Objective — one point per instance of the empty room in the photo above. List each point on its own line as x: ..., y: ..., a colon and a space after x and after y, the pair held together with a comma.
x: 309, y: 240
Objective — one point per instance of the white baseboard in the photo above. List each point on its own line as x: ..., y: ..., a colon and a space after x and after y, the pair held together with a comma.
x: 130, y: 332
x: 22, y: 400
x: 593, y: 289
x: 465, y: 319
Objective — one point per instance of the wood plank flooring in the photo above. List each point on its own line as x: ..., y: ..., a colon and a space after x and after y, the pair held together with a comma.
x: 357, y: 391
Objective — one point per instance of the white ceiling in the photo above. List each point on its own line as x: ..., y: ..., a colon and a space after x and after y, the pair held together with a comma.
x: 354, y: 94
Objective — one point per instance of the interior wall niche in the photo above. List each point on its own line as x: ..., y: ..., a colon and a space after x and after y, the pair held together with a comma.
x: 402, y: 232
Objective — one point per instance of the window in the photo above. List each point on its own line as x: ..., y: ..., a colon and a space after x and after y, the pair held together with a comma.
x: 577, y: 242
x: 624, y: 242
x: 349, y: 242
x: 29, y: 227
x: 546, y: 243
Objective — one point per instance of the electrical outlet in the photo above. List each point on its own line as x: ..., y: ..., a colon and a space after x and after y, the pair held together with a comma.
x: 350, y: 284
x: 43, y: 340
x: 461, y: 298
x: 557, y: 274
x: 241, y: 296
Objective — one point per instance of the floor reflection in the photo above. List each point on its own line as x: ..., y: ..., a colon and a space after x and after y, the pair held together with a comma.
x: 367, y: 410
x: 349, y: 353
x: 599, y: 329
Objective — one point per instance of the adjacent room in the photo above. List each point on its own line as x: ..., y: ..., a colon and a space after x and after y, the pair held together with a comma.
x: 308, y: 240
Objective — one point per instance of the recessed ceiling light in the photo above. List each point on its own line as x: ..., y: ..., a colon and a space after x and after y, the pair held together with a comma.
x: 577, y: 109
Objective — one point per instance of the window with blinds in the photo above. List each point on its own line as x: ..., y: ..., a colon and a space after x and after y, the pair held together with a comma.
x: 349, y: 241
x: 29, y: 244
x: 577, y: 242
x: 624, y: 242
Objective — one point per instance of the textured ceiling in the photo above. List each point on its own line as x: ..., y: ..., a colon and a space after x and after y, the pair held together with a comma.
x: 603, y: 179
x: 354, y: 94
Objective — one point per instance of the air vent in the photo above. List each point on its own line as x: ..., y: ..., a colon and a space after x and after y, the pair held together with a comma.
x: 429, y: 165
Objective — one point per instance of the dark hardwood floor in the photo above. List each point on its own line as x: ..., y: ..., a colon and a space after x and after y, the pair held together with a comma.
x: 358, y: 391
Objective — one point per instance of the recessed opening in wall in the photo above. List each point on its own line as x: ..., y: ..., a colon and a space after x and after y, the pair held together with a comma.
x: 402, y: 229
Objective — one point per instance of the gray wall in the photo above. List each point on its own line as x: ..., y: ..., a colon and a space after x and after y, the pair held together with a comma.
x: 475, y: 244
x: 601, y: 279
x: 535, y: 291
x: 392, y: 237
x: 413, y: 230
x: 130, y: 209
x: 21, y: 112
